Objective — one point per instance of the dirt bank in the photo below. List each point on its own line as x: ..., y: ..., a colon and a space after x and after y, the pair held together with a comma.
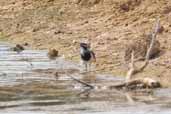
x: 108, y: 24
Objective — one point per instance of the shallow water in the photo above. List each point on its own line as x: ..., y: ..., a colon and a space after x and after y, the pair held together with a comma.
x: 28, y: 86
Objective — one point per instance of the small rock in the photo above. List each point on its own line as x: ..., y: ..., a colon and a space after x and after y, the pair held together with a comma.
x: 50, y: 1
x: 52, y: 54
x: 126, y: 24
x: 74, y: 42
x: 35, y: 29
x: 161, y: 29
x: 25, y: 44
x: 86, y: 21
x: 58, y: 32
x: 166, y: 30
x: 18, y: 48
x: 124, y: 7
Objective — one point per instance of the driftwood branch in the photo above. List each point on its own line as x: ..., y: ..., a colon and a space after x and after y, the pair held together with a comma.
x: 133, y: 69
x: 130, y: 85
x: 137, y: 83
x: 154, y: 34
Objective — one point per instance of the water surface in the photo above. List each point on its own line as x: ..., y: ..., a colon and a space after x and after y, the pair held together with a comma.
x: 29, y: 85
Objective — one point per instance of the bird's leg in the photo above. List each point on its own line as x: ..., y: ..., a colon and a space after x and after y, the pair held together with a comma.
x: 89, y: 66
x: 82, y: 66
x: 56, y: 63
x: 86, y: 66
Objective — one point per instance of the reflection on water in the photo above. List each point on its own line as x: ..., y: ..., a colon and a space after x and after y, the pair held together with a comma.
x: 32, y: 84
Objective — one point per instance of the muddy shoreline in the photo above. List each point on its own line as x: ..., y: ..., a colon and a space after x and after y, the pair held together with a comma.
x: 34, y: 89
x: 59, y: 24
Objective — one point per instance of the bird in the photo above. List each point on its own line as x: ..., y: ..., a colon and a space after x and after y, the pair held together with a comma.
x: 86, y: 55
x: 18, y: 48
x: 52, y: 54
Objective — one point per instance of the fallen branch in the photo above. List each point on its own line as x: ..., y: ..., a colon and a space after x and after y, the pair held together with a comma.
x: 130, y: 85
x: 137, y: 84
x: 82, y: 82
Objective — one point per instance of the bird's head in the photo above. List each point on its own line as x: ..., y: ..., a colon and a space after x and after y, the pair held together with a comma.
x: 84, y: 46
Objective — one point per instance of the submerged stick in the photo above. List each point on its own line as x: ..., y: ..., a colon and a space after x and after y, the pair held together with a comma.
x: 82, y: 82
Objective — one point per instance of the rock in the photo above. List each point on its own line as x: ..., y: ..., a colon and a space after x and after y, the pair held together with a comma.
x: 88, y: 2
x: 124, y: 7
x: 26, y: 44
x: 161, y: 29
x: 52, y: 54
x: 58, y: 32
x: 18, y: 48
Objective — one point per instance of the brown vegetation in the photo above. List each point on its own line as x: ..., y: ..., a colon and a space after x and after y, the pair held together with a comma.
x: 140, y: 47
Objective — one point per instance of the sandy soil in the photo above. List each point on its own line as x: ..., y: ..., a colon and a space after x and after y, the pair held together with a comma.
x: 109, y: 25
